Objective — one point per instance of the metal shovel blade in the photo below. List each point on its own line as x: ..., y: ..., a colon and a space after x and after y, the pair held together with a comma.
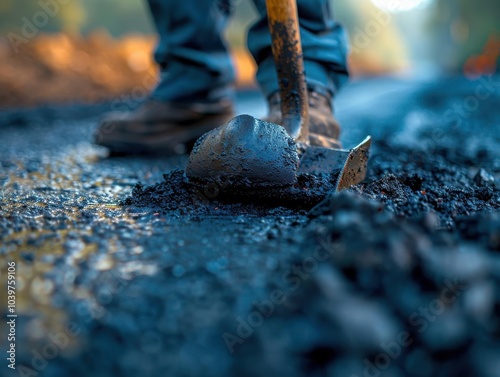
x: 351, y: 164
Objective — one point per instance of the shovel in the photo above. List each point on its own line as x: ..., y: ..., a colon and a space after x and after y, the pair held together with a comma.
x: 249, y: 157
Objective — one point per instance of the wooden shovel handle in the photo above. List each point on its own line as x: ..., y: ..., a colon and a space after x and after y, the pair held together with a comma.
x: 287, y: 51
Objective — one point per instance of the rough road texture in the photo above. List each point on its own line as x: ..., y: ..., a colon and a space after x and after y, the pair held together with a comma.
x: 400, y: 277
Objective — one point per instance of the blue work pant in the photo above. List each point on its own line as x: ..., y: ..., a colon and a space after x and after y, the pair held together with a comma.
x: 195, y: 62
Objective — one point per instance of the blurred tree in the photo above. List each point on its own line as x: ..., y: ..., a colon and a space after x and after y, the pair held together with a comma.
x: 78, y: 16
x: 72, y: 17
x: 117, y: 16
x: 467, y: 35
x: 376, y: 42
x: 19, y: 17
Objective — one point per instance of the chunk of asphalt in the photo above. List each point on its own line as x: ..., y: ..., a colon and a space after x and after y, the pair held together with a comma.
x: 245, y: 152
x: 483, y: 178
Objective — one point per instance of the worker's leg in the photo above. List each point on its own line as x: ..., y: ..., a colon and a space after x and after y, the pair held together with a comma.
x: 323, y: 40
x: 191, y: 52
x: 194, y: 94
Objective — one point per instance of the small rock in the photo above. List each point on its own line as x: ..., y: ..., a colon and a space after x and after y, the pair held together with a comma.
x: 483, y: 178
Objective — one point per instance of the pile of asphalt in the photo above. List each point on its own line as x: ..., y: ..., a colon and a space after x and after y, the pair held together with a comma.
x: 400, y: 277
x: 438, y: 182
x: 380, y: 296
x: 177, y: 196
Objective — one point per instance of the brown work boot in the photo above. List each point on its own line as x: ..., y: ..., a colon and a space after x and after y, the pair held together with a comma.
x: 324, y: 129
x: 161, y: 128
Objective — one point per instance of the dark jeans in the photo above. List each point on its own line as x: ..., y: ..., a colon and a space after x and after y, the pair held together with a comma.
x: 194, y: 59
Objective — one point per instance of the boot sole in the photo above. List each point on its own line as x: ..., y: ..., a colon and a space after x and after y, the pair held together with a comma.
x: 174, y: 140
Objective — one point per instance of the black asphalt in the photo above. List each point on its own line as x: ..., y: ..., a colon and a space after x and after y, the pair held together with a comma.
x: 399, y: 277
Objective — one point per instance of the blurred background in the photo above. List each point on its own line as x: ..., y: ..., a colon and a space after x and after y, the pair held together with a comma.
x: 93, y: 50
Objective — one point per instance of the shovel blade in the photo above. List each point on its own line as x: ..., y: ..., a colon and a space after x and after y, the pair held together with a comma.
x: 350, y: 164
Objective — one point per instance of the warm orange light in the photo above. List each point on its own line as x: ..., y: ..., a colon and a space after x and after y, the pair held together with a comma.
x: 486, y: 62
